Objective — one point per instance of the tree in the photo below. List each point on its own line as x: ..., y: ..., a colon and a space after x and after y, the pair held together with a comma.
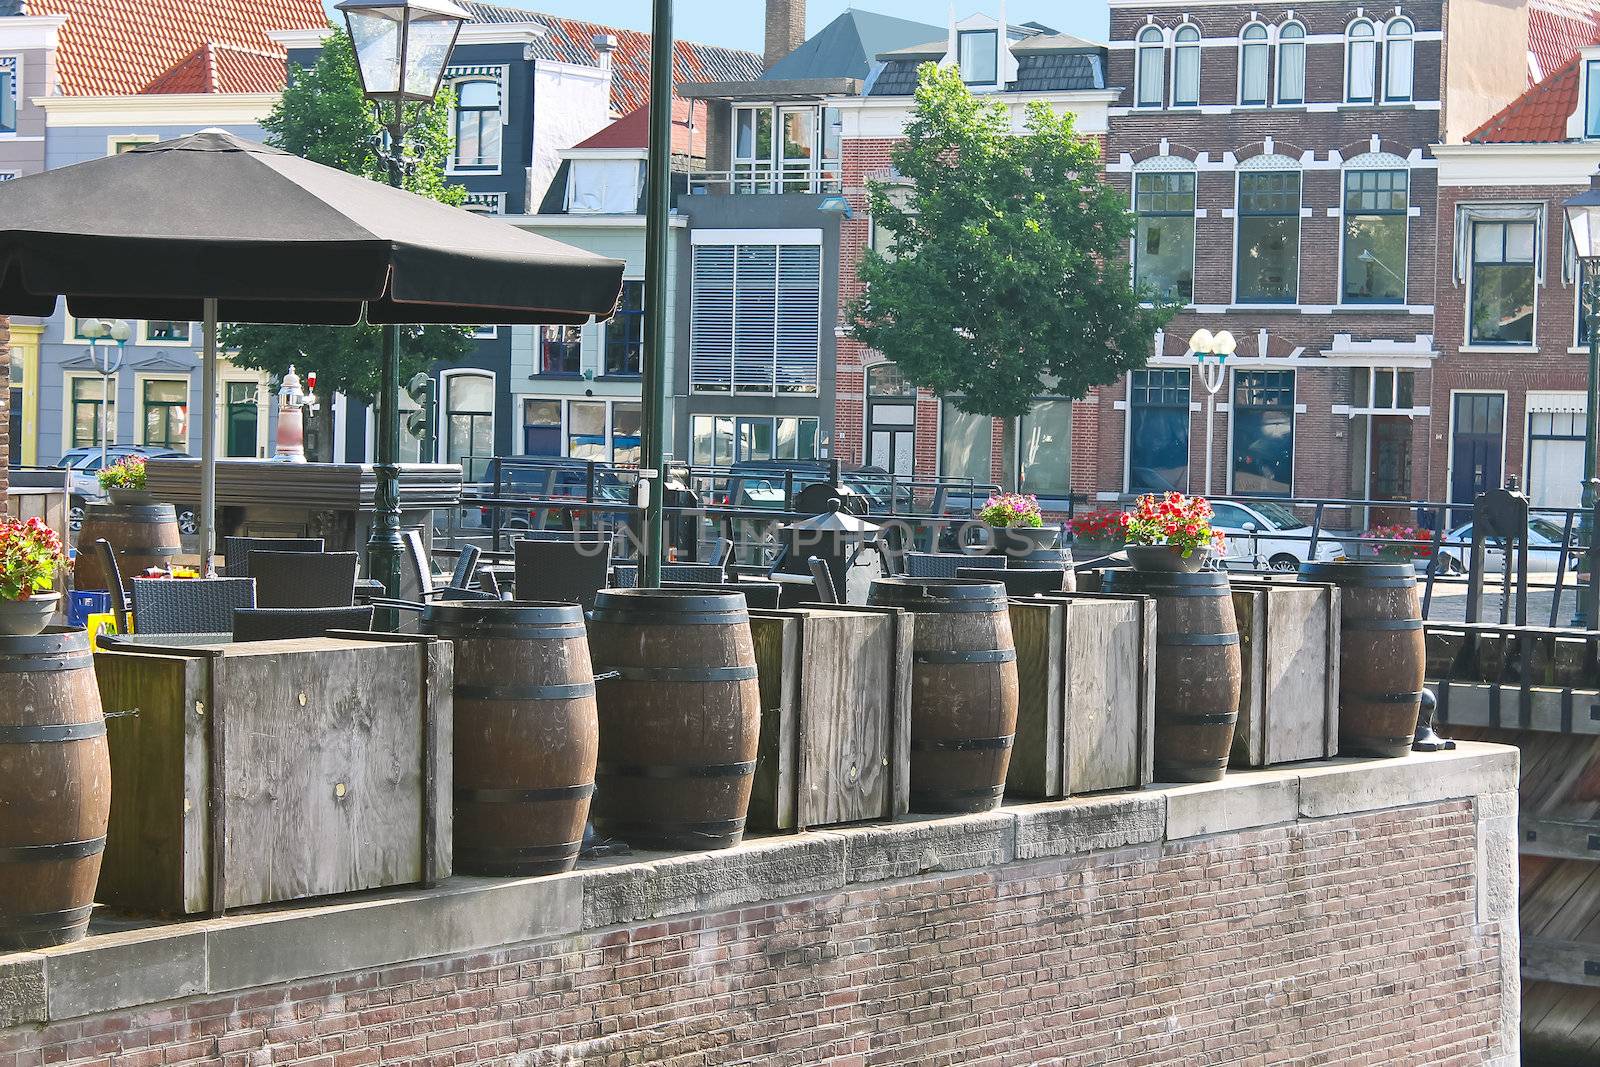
x: 324, y: 117
x: 1006, y: 274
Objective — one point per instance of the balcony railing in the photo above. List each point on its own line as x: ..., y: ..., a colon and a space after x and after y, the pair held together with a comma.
x: 799, y: 176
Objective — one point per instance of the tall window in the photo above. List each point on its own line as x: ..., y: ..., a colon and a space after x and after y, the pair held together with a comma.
x: 1292, y: 63
x: 1253, y: 63
x: 756, y: 319
x: 8, y: 95
x: 966, y: 444
x: 541, y: 427
x: 1360, y: 62
x: 244, y: 419
x: 625, y: 332
x: 1163, y: 247
x: 1263, y: 432
x: 1376, y: 210
x: 1398, y: 52
x: 166, y: 413
x: 1158, y: 430
x: 86, y: 423
x: 1044, y: 449
x: 1502, y: 283
x: 469, y: 434
x: 978, y: 56
x: 1151, y: 81
x: 165, y: 330
x: 1269, y: 237
x: 752, y: 148
x: 792, y: 149
x: 586, y: 430
x: 561, y: 350
x: 477, y: 126
x: 1186, y: 67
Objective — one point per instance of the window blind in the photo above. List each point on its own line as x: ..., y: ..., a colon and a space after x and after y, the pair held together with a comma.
x: 756, y: 321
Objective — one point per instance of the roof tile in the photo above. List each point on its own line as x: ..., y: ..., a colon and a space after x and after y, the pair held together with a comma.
x: 1538, y: 115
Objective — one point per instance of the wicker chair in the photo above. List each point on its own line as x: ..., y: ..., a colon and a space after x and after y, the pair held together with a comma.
x: 305, y: 579
x: 421, y: 575
x: 570, y: 572
x: 236, y: 550
x: 287, y: 624
x: 946, y: 564
x: 189, y: 605
x: 626, y: 575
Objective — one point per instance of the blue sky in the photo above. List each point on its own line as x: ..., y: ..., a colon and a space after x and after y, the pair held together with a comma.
x: 738, y: 23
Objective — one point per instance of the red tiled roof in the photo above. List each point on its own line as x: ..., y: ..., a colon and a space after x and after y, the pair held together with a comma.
x: 1538, y: 115
x: 572, y: 41
x: 633, y: 130
x: 121, y: 47
x: 1556, y: 30
x: 223, y: 68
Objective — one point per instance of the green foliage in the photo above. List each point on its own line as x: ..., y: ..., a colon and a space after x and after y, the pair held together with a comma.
x: 324, y: 117
x: 29, y: 554
x: 1006, y: 276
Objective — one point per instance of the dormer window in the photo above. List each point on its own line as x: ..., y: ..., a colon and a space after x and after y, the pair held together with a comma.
x: 1152, y: 77
x: 605, y: 185
x: 978, y: 56
x: 477, y: 126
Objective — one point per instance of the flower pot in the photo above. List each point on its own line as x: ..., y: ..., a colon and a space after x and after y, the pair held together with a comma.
x: 131, y: 496
x: 28, y: 618
x: 1087, y: 548
x: 1020, y: 542
x: 1164, y: 559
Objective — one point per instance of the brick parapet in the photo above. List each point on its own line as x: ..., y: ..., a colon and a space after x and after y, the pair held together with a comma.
x: 1272, y: 915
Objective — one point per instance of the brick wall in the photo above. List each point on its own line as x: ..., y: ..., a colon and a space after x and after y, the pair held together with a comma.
x: 1356, y: 939
x: 5, y: 408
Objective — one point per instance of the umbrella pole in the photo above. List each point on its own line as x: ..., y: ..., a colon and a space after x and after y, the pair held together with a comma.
x: 654, y: 384
x: 208, y: 446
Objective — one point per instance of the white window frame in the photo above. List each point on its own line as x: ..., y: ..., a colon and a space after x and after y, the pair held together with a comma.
x: 1144, y: 51
x: 1277, y: 73
x: 143, y: 337
x: 961, y: 36
x: 133, y: 140
x: 15, y: 62
x: 1295, y: 410
x: 67, y: 378
x: 140, y: 380
x: 735, y: 239
x: 1238, y: 217
x: 1532, y: 344
x: 1375, y: 161
x: 1127, y: 424
x: 446, y: 384
x: 1178, y: 46
x: 499, y: 75
x: 1265, y: 44
x: 1164, y: 165
x: 1350, y: 41
x: 1409, y: 39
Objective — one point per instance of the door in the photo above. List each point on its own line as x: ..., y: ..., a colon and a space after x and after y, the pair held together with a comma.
x: 243, y: 416
x: 891, y: 421
x: 1477, y: 446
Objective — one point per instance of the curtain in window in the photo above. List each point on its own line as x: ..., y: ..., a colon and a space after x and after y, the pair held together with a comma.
x: 1361, y: 60
x: 1397, y: 61
x: 1186, y: 68
x: 1253, y: 65
x: 1292, y: 64
x: 1152, y: 68
x: 966, y: 445
x: 1469, y: 214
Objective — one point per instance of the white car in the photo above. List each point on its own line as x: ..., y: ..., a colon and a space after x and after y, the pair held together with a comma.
x: 1544, y: 550
x: 1262, y: 534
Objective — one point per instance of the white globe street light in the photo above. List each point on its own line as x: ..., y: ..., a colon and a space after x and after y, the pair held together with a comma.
x: 96, y: 331
x: 1211, y: 353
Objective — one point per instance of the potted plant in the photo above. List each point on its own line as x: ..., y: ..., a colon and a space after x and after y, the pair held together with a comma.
x: 1016, y: 526
x: 29, y: 554
x: 1399, y: 544
x: 1171, y: 533
x: 1099, y: 533
x: 126, y: 481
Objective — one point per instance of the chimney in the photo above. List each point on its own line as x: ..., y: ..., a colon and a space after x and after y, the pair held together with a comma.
x: 606, y: 45
x: 786, y: 28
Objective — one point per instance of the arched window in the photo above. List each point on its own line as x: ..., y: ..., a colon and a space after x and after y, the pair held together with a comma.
x: 1253, y: 63
x: 1360, y: 62
x: 469, y: 421
x: 1186, y: 67
x: 1292, y: 64
x: 1398, y: 51
x: 477, y: 126
x: 1152, y: 75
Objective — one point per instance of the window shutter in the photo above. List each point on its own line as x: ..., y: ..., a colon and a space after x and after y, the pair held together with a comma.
x: 711, y: 320
x: 799, y: 318
x: 756, y: 323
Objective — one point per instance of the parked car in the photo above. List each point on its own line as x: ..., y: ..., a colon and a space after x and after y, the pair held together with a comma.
x: 1544, y: 550
x: 557, y: 478
x: 1264, y: 534
x: 84, y: 483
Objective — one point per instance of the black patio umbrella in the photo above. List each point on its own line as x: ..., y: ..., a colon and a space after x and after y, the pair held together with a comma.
x: 215, y: 228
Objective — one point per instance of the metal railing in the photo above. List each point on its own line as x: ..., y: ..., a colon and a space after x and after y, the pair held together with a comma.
x: 770, y: 179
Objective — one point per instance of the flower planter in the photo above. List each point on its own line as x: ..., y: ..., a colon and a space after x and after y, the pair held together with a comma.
x: 1163, y: 559
x: 131, y: 496
x: 1020, y: 542
x: 28, y: 618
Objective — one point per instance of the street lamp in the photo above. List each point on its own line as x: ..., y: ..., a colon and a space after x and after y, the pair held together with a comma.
x: 1583, y: 226
x: 1214, y: 374
x: 96, y: 331
x: 402, y: 47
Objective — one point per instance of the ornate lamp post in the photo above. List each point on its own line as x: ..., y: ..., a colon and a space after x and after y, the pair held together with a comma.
x: 1583, y: 224
x: 1214, y: 374
x: 96, y: 331
x: 402, y: 47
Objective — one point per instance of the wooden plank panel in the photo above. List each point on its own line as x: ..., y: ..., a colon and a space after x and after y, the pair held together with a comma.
x: 1473, y: 703
x: 1103, y: 710
x: 1250, y: 733
x: 1037, y: 756
x: 1567, y: 962
x: 845, y: 718
x: 777, y: 643
x: 1559, y: 839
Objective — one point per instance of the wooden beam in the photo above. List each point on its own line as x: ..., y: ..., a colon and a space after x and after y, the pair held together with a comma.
x: 1559, y: 839
x: 1567, y: 962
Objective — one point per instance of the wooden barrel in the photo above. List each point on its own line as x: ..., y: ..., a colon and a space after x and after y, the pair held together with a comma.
x: 144, y: 536
x: 55, y: 788
x: 1382, y: 654
x: 680, y: 722
x: 526, y: 733
x: 1199, y: 670
x: 963, y: 690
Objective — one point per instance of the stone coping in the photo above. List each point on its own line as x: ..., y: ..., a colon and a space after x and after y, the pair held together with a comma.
x: 124, y: 968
